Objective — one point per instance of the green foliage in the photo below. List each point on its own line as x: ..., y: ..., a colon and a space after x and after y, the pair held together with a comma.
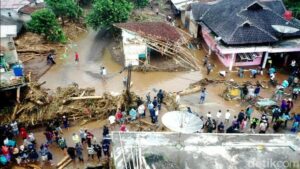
x: 106, y: 12
x: 65, y: 8
x: 141, y: 3
x: 294, y: 6
x: 44, y: 22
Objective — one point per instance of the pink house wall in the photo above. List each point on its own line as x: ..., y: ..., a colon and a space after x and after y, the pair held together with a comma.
x: 226, y: 58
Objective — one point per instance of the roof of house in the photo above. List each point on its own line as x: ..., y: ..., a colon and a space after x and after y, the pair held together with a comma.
x: 4, y: 20
x: 158, y: 30
x: 28, y: 9
x: 244, y: 21
x: 13, y: 4
x: 183, y: 4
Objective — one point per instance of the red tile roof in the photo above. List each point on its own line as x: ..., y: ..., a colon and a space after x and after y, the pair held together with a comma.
x: 158, y: 30
x: 28, y: 9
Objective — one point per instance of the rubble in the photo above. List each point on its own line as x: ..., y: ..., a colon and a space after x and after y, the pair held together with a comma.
x: 80, y: 104
x: 39, y: 106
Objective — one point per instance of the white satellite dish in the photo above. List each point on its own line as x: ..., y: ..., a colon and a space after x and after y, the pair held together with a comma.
x: 285, y: 29
x: 182, y: 121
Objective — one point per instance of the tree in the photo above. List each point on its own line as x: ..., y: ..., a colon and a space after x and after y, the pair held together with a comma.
x: 44, y: 22
x: 141, y: 3
x: 106, y: 12
x: 294, y: 6
x: 65, y: 9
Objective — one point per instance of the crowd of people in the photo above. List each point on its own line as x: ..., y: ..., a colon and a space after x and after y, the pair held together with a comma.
x: 28, y: 151
x: 285, y: 94
x: 151, y: 106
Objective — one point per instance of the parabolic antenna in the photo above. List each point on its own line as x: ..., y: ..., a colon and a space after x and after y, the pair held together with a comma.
x: 285, y: 29
x: 182, y: 121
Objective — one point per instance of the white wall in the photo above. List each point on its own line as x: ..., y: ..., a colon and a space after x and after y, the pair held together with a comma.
x: 193, y: 26
x: 133, y: 45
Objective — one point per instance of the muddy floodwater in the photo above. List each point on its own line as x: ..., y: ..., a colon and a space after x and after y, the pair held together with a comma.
x: 93, y: 54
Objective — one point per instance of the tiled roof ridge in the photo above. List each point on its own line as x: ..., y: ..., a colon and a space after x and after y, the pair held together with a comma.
x: 257, y: 26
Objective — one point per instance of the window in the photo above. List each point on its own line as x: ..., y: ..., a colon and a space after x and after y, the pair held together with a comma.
x: 246, y: 57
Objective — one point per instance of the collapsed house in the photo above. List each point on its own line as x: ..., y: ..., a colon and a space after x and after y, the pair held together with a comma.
x: 140, y: 38
x: 148, y: 150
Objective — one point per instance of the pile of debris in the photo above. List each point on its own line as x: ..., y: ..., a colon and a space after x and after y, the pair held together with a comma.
x: 78, y: 104
x: 38, y: 106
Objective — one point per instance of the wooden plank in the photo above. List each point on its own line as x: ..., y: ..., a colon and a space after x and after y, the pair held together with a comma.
x: 65, y: 164
x: 62, y: 161
x: 85, y: 97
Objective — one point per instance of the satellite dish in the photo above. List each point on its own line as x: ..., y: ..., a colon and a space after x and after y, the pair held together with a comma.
x: 182, y: 121
x: 284, y: 29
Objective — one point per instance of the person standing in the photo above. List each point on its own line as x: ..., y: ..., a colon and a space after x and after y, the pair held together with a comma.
x: 71, y: 152
x: 79, y: 154
x: 208, y: 68
x: 15, y: 128
x: 205, y: 60
x: 254, y: 122
x: 244, y: 92
x: 141, y: 110
x: 75, y: 138
x: 227, y: 116
x: 91, y: 151
x: 241, y: 116
x: 275, y: 113
x: 203, y: 94
x: 219, y: 113
x: 62, y: 143
x: 263, y: 127
x: 65, y: 122
x: 249, y: 111
x: 76, y: 57
x: 160, y: 96
x: 257, y: 91
x: 105, y: 131
x: 98, y: 151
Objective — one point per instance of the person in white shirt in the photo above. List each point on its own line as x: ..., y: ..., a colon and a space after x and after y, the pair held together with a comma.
x: 227, y: 116
x: 208, y: 115
x: 219, y: 114
x: 141, y: 110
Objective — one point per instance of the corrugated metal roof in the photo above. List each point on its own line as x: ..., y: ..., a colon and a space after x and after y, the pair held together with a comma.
x: 13, y: 4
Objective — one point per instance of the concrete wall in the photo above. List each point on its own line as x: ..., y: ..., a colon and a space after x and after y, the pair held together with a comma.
x: 133, y: 46
x: 193, y: 26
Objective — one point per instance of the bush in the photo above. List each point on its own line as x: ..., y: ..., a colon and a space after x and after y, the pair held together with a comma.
x: 44, y: 22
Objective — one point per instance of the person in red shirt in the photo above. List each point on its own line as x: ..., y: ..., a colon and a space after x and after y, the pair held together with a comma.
x: 76, y: 57
x: 23, y: 133
x: 119, y: 116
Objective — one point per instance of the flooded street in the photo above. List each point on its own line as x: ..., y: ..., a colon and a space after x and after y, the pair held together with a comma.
x: 93, y: 54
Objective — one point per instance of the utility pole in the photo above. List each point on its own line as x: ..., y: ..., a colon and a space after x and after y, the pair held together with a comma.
x: 129, y: 69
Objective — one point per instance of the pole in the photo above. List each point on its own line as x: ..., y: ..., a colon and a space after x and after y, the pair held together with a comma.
x: 128, y: 83
x: 231, y: 62
x: 265, y: 60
